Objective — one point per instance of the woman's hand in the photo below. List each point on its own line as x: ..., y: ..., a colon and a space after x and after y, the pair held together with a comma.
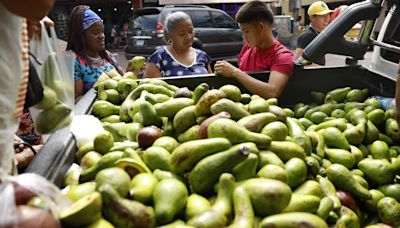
x: 137, y: 72
x: 226, y: 69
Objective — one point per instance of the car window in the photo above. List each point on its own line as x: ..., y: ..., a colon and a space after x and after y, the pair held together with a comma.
x: 202, y: 19
x: 145, y: 22
x: 223, y: 21
x: 392, y: 36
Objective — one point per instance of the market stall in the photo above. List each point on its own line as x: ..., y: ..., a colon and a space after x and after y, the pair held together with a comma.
x: 201, y: 151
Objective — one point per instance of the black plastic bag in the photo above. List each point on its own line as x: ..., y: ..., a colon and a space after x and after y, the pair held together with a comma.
x: 34, y: 92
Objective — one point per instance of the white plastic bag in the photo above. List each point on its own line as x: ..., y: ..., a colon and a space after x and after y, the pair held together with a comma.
x: 85, y: 128
x: 16, y: 191
x: 40, y: 47
x: 55, y: 111
x: 71, y: 178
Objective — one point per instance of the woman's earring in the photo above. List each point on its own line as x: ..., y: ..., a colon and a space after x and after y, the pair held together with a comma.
x: 169, y: 41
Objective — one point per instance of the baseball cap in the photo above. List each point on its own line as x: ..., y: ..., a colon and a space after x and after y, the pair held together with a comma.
x: 318, y: 8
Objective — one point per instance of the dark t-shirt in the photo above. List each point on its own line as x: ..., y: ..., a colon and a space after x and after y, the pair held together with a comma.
x: 308, y: 35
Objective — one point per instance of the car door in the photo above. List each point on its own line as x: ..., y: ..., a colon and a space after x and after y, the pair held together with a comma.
x: 385, y: 61
x: 227, y: 36
x: 142, y: 32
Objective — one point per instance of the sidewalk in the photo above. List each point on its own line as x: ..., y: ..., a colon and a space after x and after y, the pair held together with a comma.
x: 119, y: 55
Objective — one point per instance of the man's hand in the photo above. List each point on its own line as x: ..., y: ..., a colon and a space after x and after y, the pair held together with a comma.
x: 34, y: 28
x: 225, y: 69
x: 137, y: 72
x: 48, y: 22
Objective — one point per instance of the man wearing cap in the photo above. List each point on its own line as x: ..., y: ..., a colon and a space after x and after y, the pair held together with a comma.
x: 319, y: 14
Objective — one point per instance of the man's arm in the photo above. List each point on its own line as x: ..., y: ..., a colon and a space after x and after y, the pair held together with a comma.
x: 297, y: 53
x: 78, y: 84
x: 151, y: 71
x: 29, y: 9
x: 302, y: 43
x: 273, y: 88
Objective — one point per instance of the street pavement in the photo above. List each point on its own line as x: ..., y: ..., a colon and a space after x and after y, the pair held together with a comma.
x: 337, y: 60
x: 331, y: 60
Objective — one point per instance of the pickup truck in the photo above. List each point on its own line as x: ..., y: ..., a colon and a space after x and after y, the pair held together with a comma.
x: 59, y: 151
x: 378, y: 77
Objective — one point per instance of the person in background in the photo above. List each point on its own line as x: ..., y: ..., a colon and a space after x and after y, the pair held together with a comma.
x: 107, y: 32
x: 14, y: 65
x: 114, y: 36
x: 320, y: 15
x: 337, y: 11
x: 261, y: 52
x: 86, y: 38
x: 125, y: 29
x: 178, y: 57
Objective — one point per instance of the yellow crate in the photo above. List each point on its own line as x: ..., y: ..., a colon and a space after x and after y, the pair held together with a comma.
x: 352, y: 34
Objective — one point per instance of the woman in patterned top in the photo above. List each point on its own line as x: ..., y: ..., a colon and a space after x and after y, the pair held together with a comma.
x: 86, y: 38
x: 178, y: 57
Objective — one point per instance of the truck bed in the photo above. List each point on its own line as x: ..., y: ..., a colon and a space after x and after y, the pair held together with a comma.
x: 58, y: 153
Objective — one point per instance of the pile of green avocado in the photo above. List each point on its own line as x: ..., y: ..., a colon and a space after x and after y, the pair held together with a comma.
x: 172, y: 157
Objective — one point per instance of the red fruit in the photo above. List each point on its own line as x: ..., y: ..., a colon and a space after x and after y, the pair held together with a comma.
x: 347, y: 199
x: 147, y: 135
x: 29, y: 217
x: 22, y: 195
x: 202, y: 133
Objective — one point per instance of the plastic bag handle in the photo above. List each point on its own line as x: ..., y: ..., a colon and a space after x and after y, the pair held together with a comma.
x: 54, y: 39
x: 7, y: 196
x: 46, y: 38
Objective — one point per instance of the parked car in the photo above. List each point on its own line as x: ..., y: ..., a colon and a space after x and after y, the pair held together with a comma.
x: 216, y: 32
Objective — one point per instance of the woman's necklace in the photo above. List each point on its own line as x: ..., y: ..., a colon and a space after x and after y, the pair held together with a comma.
x: 175, y: 54
x: 94, y: 59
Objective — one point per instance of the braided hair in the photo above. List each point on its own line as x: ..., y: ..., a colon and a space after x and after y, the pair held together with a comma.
x: 76, y: 37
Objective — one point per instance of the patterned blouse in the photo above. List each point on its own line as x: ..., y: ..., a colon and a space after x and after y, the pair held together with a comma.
x: 169, y: 66
x: 89, y: 72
